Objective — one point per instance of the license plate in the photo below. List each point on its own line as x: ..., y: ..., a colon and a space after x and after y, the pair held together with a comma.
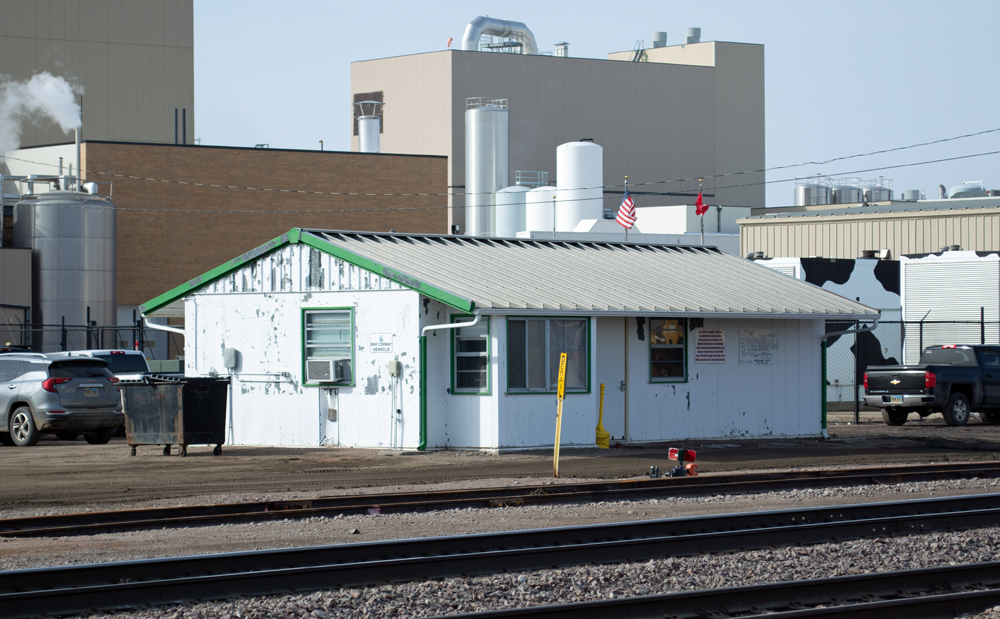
x: 896, y: 399
x: 90, y: 392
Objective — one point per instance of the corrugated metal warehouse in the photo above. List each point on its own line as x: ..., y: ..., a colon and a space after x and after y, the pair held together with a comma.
x: 351, y: 339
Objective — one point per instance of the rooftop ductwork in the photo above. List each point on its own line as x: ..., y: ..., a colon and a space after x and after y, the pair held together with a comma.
x: 499, y: 28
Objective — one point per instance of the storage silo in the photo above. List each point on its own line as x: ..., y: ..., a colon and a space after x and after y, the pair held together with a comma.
x: 539, y: 209
x: 510, y: 211
x: 878, y: 190
x: 847, y: 192
x: 486, y: 156
x: 580, y: 183
x: 73, y: 241
x: 815, y: 191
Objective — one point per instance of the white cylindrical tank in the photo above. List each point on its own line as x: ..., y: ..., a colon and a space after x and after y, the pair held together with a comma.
x: 580, y: 181
x: 510, y: 209
x: 486, y: 170
x: 539, y: 209
x: 368, y: 129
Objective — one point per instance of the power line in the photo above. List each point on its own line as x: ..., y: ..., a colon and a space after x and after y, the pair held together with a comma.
x: 611, y: 186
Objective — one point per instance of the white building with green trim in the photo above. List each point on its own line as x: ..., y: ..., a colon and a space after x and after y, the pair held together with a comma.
x: 399, y: 341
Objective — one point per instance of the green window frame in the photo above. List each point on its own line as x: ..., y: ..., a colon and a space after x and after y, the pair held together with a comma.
x: 668, y: 355
x: 533, y: 348
x: 328, y: 333
x: 470, y: 357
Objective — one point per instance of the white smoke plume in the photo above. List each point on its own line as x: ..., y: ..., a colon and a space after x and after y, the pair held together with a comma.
x: 43, y: 97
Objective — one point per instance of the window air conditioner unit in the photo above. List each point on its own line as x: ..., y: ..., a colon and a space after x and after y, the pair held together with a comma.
x: 328, y: 370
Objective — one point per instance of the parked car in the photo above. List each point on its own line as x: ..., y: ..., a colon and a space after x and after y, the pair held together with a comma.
x: 125, y: 364
x: 57, y: 394
x: 952, y: 379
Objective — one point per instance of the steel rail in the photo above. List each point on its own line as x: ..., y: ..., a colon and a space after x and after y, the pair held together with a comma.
x: 635, y: 489
x: 156, y: 581
x: 904, y: 594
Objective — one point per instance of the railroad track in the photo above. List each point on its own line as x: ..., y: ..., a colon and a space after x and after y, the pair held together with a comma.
x: 928, y: 592
x: 636, y: 489
x: 69, y: 589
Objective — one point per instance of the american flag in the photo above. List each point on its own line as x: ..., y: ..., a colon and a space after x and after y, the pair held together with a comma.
x: 626, y: 212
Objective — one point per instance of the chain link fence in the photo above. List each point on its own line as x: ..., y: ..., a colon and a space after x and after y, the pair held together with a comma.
x: 892, y: 342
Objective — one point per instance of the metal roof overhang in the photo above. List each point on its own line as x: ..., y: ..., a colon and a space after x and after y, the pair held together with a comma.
x: 674, y: 314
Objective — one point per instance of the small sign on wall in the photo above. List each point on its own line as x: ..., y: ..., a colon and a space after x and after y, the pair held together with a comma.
x: 710, y: 346
x: 758, y: 347
x: 381, y: 342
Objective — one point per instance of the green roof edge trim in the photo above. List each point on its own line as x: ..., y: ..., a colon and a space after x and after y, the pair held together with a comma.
x: 218, y: 272
x: 423, y: 288
x: 297, y: 235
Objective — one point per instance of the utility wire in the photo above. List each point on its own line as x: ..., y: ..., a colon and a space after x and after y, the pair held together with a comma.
x: 611, y: 186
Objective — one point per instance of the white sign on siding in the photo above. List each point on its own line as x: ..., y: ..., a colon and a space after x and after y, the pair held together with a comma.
x: 710, y: 346
x: 758, y: 347
x: 380, y: 342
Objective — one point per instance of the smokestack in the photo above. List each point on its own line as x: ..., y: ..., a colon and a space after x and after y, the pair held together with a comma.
x: 79, y: 170
x: 942, y: 193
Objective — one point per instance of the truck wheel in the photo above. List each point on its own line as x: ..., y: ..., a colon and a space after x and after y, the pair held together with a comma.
x: 894, y: 416
x: 956, y: 411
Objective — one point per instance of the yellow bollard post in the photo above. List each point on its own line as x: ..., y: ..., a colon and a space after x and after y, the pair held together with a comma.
x: 560, y: 394
x: 603, y: 437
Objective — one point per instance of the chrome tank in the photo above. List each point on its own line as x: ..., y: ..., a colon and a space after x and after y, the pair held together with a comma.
x: 810, y: 194
x: 510, y: 211
x: 486, y: 168
x: 73, y: 239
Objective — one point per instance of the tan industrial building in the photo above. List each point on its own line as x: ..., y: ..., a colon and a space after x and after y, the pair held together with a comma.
x: 678, y: 112
x: 892, y: 229
x: 183, y: 210
x: 134, y: 60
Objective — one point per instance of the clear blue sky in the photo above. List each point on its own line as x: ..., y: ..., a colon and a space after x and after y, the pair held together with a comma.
x: 842, y: 77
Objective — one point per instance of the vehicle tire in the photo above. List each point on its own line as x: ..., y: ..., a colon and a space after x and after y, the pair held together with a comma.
x: 67, y: 436
x: 894, y: 416
x: 990, y: 416
x: 956, y: 411
x: 101, y: 437
x: 5, y: 439
x: 22, y: 428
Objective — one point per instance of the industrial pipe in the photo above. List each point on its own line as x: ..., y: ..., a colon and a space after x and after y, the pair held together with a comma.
x: 153, y: 325
x: 423, y: 373
x: 497, y: 27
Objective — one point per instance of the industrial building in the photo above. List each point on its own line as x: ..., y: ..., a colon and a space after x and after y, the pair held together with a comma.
x: 134, y: 61
x: 179, y: 210
x: 408, y: 341
x: 660, y: 114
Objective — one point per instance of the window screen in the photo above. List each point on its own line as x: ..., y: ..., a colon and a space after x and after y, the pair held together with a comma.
x: 534, y: 346
x: 471, y: 361
x: 667, y: 349
x: 328, y: 334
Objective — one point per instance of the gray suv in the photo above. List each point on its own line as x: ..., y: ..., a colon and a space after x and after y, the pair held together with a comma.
x: 43, y: 394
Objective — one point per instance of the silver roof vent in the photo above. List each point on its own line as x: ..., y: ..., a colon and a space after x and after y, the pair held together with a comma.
x: 694, y: 35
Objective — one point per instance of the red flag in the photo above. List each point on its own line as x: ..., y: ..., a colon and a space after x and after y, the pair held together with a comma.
x: 700, y: 208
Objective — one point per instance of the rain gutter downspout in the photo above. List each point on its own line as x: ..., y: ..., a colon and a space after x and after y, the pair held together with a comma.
x: 423, y: 372
x: 822, y: 346
x: 153, y: 325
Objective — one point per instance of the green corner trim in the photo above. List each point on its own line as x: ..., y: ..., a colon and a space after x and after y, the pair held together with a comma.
x: 422, y: 445
x: 218, y: 272
x: 451, y: 300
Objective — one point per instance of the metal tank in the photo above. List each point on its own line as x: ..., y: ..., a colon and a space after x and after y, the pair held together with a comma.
x: 580, y: 181
x: 73, y: 242
x: 539, y: 215
x: 369, y: 126
x: 510, y: 211
x: 878, y: 190
x: 486, y: 157
x: 847, y: 193
x: 813, y: 192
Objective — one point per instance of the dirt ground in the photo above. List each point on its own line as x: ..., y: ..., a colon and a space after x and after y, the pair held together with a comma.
x: 61, y: 476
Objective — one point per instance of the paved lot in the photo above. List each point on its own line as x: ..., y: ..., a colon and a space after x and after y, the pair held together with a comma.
x: 69, y: 476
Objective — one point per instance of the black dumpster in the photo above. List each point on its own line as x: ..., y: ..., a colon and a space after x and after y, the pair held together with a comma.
x: 175, y: 410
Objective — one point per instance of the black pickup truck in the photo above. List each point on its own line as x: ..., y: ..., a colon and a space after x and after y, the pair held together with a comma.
x: 953, y: 380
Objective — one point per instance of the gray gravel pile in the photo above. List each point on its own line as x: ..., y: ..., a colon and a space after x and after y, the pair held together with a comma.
x: 595, y: 582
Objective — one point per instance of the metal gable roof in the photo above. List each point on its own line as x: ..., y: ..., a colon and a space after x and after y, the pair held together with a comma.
x: 515, y: 276
x: 525, y: 276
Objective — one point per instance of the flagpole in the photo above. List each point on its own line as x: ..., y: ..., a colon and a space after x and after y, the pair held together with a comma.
x: 626, y: 191
x: 702, y: 218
